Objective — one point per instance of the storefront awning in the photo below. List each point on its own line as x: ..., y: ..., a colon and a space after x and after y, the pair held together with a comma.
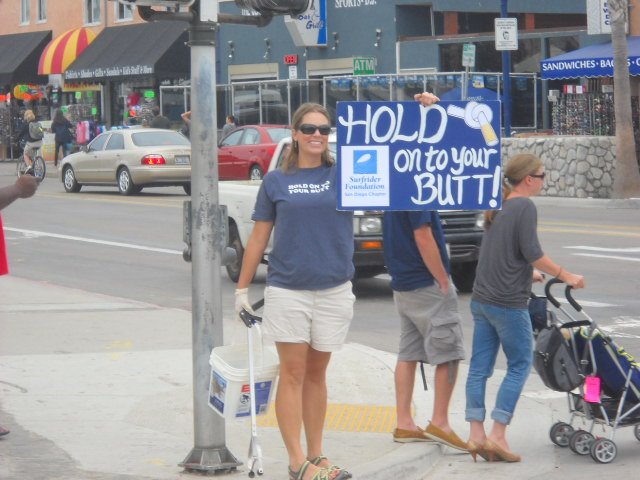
x: 19, y: 54
x: 64, y: 50
x: 591, y: 61
x: 149, y: 49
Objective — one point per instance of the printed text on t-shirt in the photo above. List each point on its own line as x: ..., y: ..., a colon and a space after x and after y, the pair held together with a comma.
x: 309, y: 187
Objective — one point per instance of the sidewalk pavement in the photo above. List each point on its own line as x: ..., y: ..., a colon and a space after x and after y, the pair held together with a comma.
x: 97, y: 387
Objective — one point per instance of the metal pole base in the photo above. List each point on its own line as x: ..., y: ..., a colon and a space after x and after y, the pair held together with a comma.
x: 210, y: 460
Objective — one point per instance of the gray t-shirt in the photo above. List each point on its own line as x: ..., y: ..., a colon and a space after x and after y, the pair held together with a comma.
x: 312, y: 241
x: 509, y: 246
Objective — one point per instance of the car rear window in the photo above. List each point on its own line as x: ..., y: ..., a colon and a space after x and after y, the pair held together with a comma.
x: 153, y: 139
x: 278, y: 133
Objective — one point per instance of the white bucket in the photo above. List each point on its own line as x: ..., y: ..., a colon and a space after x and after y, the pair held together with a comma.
x: 229, y: 393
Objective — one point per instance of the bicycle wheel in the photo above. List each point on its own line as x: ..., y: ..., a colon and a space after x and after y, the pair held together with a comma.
x: 21, y: 166
x: 39, y: 167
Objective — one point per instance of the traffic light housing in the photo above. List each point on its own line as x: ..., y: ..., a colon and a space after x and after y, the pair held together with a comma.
x: 275, y: 7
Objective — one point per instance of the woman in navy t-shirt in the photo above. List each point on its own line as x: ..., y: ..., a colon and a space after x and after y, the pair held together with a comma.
x: 308, y: 298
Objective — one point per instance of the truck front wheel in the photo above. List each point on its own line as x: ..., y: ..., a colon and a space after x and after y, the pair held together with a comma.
x: 463, y: 275
x: 233, y: 269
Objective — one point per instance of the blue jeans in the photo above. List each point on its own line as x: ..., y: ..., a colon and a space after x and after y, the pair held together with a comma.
x: 495, y: 326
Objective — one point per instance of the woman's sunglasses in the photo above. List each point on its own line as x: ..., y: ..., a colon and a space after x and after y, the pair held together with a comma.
x: 540, y: 175
x: 310, y: 129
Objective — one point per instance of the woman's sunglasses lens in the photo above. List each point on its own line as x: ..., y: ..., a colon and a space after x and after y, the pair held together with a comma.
x: 309, y: 129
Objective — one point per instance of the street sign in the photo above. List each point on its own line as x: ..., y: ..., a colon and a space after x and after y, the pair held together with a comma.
x: 506, y: 33
x: 468, y: 55
x: 364, y: 65
x: 293, y: 72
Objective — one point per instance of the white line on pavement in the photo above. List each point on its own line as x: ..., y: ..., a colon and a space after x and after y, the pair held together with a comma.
x: 605, y: 249
x: 587, y: 303
x: 612, y: 257
x: 35, y: 233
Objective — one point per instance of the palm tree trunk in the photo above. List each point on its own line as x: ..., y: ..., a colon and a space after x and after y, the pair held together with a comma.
x: 626, y: 181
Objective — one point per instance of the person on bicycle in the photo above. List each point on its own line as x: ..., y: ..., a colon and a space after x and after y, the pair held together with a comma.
x: 32, y: 133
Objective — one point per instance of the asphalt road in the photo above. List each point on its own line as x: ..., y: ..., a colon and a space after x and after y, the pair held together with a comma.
x: 131, y: 247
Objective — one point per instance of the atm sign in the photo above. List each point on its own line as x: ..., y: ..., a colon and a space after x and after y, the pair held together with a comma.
x: 291, y: 59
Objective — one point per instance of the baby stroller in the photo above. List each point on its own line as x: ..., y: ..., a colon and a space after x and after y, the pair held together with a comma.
x: 602, y: 381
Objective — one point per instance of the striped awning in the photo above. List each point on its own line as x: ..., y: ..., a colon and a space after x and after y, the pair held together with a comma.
x: 63, y: 50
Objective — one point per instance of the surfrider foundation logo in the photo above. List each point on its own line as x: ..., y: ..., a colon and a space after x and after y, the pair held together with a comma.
x: 364, y: 173
x: 365, y: 162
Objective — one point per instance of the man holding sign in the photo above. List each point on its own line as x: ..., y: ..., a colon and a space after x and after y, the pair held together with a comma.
x: 417, y: 260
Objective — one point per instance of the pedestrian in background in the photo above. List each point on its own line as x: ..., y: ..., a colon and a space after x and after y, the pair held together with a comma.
x: 186, y: 128
x: 230, y: 124
x: 31, y: 133
x: 159, y: 121
x: 24, y: 187
x: 308, y: 298
x: 430, y: 329
x: 61, y: 128
x: 510, y: 250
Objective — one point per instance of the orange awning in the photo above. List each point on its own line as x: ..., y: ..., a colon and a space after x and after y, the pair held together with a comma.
x: 63, y: 50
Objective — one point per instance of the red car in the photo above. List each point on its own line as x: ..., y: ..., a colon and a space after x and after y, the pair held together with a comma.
x: 246, y: 151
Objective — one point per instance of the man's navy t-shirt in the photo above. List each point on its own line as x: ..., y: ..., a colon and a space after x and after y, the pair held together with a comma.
x: 404, y: 262
x: 312, y: 241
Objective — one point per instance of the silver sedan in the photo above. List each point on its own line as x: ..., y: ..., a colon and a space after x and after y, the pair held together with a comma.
x: 130, y: 159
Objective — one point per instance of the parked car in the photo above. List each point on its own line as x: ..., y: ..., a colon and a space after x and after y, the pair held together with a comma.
x: 130, y: 159
x: 245, y: 153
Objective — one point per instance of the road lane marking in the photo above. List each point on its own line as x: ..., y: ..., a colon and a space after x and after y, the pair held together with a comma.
x: 590, y: 225
x: 590, y: 232
x: 101, y: 197
x: 611, y: 257
x: 587, y: 303
x: 35, y: 233
x: 605, y: 249
x: 621, y: 326
x: 76, y: 307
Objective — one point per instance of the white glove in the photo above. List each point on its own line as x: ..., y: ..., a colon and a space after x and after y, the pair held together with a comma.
x: 242, y: 301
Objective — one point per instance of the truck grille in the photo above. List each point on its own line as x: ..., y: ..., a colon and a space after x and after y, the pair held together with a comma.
x: 453, y: 222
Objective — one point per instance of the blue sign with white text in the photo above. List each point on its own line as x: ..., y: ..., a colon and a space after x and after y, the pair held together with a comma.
x: 403, y: 156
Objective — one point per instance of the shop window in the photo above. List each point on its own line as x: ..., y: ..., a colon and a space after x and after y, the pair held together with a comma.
x: 91, y: 11
x: 42, y: 10
x: 123, y: 12
x: 25, y: 11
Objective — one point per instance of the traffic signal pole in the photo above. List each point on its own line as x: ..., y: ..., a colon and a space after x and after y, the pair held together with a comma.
x: 208, y: 235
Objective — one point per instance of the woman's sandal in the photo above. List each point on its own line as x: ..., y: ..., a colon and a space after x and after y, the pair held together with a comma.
x: 322, y: 474
x: 342, y: 475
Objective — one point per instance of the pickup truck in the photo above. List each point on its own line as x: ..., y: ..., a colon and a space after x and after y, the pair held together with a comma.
x: 462, y: 229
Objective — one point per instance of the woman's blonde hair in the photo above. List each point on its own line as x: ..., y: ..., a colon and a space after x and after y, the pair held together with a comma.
x: 291, y: 160
x: 29, y: 116
x: 518, y: 168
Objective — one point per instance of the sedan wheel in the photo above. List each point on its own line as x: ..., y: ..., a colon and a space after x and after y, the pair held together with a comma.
x: 255, y: 173
x: 69, y: 181
x: 125, y: 183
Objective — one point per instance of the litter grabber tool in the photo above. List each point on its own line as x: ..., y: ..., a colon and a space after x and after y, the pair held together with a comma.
x: 254, y: 460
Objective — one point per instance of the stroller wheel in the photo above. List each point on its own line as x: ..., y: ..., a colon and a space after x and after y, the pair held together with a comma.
x: 580, y: 442
x: 636, y: 431
x: 603, y: 450
x: 560, y: 433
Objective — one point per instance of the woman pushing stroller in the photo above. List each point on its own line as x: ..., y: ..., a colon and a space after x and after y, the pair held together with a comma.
x: 510, y: 250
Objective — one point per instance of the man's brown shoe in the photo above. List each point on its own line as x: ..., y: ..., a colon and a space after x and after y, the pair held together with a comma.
x: 450, y: 439
x: 401, y: 435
